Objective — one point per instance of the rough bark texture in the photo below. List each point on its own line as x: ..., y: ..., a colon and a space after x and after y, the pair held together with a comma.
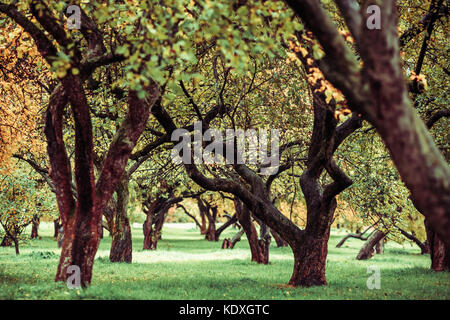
x: 367, y: 251
x: 439, y: 251
x: 121, y: 246
x: 310, y: 261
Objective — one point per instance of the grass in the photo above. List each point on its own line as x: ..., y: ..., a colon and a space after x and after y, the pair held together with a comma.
x: 186, y: 266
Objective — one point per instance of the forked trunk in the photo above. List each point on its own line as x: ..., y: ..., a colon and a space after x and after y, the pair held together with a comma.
x: 310, y: 257
x: 152, y: 230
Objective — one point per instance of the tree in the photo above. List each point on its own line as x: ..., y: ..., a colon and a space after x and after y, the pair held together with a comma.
x: 81, y: 218
x: 377, y: 90
x: 22, y: 200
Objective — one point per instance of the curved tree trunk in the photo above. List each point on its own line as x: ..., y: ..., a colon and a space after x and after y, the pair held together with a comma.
x: 367, y: 251
x: 424, y: 247
x: 222, y: 228
x: 439, y: 251
x: 259, y: 248
x: 278, y: 240
x: 121, y: 246
x: 358, y: 235
x: 230, y: 243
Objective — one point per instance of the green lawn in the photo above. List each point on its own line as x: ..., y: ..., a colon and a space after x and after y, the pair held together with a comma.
x: 186, y: 266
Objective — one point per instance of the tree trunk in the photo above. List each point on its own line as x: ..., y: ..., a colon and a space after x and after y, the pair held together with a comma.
x: 153, y: 226
x: 121, y: 246
x: 278, y: 240
x: 16, y: 245
x: 6, y: 242
x: 439, y: 251
x: 367, y: 251
x: 210, y: 211
x: 56, y: 226
x: 80, y: 244
x: 210, y: 234
x: 35, y: 226
x: 230, y: 222
x: 379, y: 247
x: 310, y: 257
x: 100, y: 229
x: 237, y: 237
x: 424, y: 247
x: 203, y: 225
x: 230, y: 243
x: 259, y: 249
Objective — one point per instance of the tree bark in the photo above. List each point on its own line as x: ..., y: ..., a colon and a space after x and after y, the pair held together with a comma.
x: 379, y: 247
x: 121, y: 246
x: 222, y: 228
x: 278, y: 240
x: 16, y: 245
x: 6, y: 242
x: 35, y: 227
x: 310, y: 257
x: 439, y: 251
x: 154, y: 222
x: 367, y: 250
x: 210, y: 212
x: 259, y: 248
